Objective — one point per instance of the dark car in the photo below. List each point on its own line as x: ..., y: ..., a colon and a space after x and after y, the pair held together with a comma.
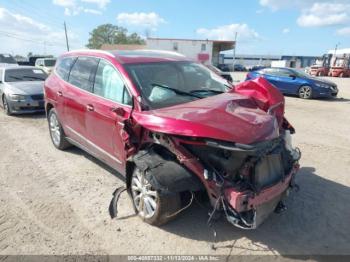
x: 173, y: 127
x: 296, y: 82
x: 239, y: 68
x: 226, y: 75
x: 225, y: 67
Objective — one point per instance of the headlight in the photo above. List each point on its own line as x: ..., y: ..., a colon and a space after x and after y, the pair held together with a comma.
x: 17, y: 97
x: 322, y: 85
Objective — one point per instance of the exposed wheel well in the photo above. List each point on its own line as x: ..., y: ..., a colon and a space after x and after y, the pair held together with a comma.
x: 48, y: 108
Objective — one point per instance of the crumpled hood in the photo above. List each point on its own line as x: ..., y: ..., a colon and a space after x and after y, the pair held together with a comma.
x: 229, y: 116
x: 26, y: 87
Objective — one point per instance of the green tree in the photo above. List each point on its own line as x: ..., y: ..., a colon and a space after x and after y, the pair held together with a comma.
x: 112, y: 34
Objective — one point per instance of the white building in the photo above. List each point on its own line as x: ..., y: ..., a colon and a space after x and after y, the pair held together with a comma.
x: 205, y: 51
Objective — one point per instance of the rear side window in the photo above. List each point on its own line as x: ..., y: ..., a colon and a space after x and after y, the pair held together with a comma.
x: 83, y: 72
x: 63, y: 67
x: 110, y: 85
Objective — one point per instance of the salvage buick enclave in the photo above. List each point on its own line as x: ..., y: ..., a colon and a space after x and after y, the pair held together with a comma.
x: 171, y: 126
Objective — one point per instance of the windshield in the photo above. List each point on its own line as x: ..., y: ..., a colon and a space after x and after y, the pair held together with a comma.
x: 50, y: 62
x: 30, y: 74
x: 165, y: 84
x: 300, y: 73
x: 7, y: 59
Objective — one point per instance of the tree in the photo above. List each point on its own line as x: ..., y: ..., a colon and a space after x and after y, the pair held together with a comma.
x: 112, y: 34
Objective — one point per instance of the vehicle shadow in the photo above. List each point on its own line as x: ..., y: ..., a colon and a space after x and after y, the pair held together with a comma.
x: 39, y: 115
x: 326, y: 99
x: 316, y: 223
x: 77, y: 151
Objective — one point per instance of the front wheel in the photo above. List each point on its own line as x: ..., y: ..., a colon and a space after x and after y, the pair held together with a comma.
x: 305, y: 92
x: 152, y: 207
x: 56, y: 131
x: 6, y: 105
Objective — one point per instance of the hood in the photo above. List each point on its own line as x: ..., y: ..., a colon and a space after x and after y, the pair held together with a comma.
x: 26, y: 87
x: 322, y: 81
x: 229, y: 116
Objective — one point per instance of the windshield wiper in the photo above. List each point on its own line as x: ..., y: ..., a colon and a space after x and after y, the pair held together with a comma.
x: 177, y: 91
x: 207, y: 90
x: 34, y: 77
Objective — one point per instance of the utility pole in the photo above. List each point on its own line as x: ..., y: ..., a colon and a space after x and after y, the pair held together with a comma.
x: 234, y: 52
x: 335, y: 53
x: 65, y: 31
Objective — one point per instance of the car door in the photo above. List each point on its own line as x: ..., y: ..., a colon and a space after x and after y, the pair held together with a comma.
x: 109, y: 109
x: 278, y: 78
x: 77, y: 97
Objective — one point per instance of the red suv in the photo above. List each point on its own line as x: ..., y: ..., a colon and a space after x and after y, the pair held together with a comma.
x: 173, y: 127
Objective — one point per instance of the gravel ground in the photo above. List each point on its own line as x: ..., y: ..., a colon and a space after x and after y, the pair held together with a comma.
x: 54, y: 202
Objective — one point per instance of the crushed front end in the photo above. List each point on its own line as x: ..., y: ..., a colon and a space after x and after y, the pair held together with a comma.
x: 250, y: 181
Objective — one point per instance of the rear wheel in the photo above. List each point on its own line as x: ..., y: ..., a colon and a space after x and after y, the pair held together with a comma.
x: 320, y: 74
x: 305, y: 92
x: 341, y: 74
x: 152, y: 207
x: 6, y: 105
x: 56, y: 132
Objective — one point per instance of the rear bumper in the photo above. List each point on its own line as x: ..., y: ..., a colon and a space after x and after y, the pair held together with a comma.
x: 247, y: 200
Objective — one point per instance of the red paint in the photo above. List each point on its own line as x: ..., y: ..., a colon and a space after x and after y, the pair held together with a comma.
x: 98, y: 124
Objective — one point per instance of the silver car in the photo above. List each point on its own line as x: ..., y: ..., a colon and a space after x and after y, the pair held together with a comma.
x: 22, y: 89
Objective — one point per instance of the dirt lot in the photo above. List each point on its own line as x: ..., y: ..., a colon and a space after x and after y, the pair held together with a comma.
x: 54, y: 202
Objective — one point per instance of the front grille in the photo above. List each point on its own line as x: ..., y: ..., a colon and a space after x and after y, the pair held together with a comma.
x: 37, y: 97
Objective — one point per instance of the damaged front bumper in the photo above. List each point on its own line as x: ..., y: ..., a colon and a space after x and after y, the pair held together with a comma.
x: 260, y: 205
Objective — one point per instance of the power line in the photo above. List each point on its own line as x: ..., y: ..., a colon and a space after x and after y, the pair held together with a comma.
x: 15, y: 36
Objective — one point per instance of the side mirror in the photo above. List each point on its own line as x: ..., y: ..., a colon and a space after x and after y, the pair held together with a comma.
x: 293, y: 76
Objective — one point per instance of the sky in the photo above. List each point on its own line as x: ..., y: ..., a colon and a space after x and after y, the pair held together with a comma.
x: 270, y: 27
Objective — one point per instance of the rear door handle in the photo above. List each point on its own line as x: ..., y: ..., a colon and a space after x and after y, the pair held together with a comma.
x: 90, y: 108
x: 59, y: 93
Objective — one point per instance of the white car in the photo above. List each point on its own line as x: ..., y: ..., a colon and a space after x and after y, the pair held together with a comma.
x: 46, y: 64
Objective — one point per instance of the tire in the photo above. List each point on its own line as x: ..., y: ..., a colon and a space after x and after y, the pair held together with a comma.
x: 152, y: 207
x: 305, y: 92
x: 319, y: 74
x: 341, y: 75
x: 7, y: 108
x: 57, y: 135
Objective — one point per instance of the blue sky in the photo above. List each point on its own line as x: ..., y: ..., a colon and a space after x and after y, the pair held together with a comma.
x: 304, y: 27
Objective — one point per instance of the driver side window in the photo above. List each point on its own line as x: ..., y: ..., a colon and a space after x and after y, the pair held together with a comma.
x: 109, y: 84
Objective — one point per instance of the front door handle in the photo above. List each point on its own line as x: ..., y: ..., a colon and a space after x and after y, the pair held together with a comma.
x: 59, y: 93
x: 90, y: 108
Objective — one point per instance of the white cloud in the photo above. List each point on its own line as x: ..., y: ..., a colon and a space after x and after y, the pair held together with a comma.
x: 100, y: 3
x: 92, y: 11
x: 227, y: 32
x: 149, y: 20
x: 75, y: 7
x: 345, y: 31
x: 21, y: 34
x: 286, y: 31
x: 324, y: 14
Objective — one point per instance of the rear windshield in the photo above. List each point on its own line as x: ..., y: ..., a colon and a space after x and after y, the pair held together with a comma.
x: 7, y: 59
x: 49, y: 62
x: 21, y: 74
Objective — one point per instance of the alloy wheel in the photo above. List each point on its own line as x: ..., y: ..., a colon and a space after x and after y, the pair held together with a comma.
x: 305, y: 92
x: 55, y: 129
x: 6, y: 106
x: 144, y: 196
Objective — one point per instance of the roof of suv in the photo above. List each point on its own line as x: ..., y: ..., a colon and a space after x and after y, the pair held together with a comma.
x: 136, y: 56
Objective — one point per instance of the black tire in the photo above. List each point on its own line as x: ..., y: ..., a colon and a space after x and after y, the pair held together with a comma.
x: 305, y: 92
x: 319, y: 74
x: 341, y: 75
x: 57, y: 135
x: 166, y: 204
x: 7, y: 108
